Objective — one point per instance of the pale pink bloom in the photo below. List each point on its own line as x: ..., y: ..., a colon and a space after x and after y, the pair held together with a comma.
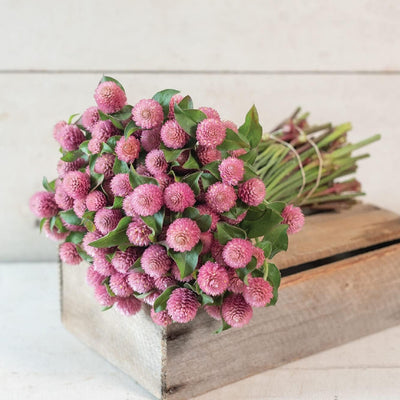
x: 96, y: 200
x: 104, y: 165
x: 106, y: 220
x: 155, y: 261
x: 207, y: 155
x: 127, y: 306
x: 210, y: 132
x: 148, y: 114
x: 258, y: 293
x: 173, y: 136
x: 178, y: 196
x: 120, y: 185
x: 156, y: 163
x: 252, y: 192
x: 127, y: 149
x: 294, y: 218
x: 220, y: 197
x: 138, y: 233
x: 212, y: 278
x: 161, y: 318
x: 109, y: 97
x: 235, y: 311
x: 146, y: 199
x: 183, y: 234
x: 89, y: 118
x: 237, y: 253
x: 182, y: 305
x: 76, y: 184
x: 43, y: 204
x: 231, y: 170
x: 69, y: 254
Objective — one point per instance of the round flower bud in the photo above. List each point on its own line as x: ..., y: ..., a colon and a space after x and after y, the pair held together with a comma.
x: 148, y: 114
x: 252, y: 192
x: 120, y: 185
x: 127, y: 306
x: 79, y: 207
x: 212, y: 279
x: 93, y: 278
x: 173, y: 136
x: 155, y: 261
x: 182, y: 305
x: 156, y: 163
x: 175, y: 99
x: 231, y: 170
x: 231, y: 125
x: 210, y: 132
x: 183, y: 234
x: 207, y: 155
x: 124, y: 260
x: 94, y: 146
x: 210, y: 112
x: 69, y: 254
x: 140, y: 282
x: 146, y: 199
x: 76, y: 184
x: 258, y: 293
x: 236, y: 285
x: 294, y: 218
x: 150, y: 139
x: 58, y: 127
x: 179, y: 196
x: 237, y: 253
x: 220, y: 197
x: 127, y: 149
x: 109, y: 97
x: 89, y: 118
x: 138, y: 233
x: 235, y: 311
x: 96, y: 200
x: 259, y: 255
x: 161, y: 318
x: 119, y: 285
x: 104, y: 165
x: 43, y: 204
x: 106, y: 220
x: 163, y: 282
x: 70, y: 137
x: 62, y: 199
x: 63, y: 167
x: 103, y: 130
x: 102, y: 265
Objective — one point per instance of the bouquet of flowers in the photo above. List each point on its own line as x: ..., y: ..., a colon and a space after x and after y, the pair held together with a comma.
x: 174, y: 208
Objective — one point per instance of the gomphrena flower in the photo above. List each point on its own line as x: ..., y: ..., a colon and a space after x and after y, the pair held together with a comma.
x: 54, y: 234
x: 221, y: 197
x: 138, y: 233
x: 210, y: 132
x: 237, y: 253
x: 109, y: 97
x: 79, y: 207
x: 103, y: 130
x: 165, y: 281
x: 182, y: 305
x: 183, y: 234
x: 173, y: 136
x: 63, y: 200
x: 146, y: 199
x: 96, y: 200
x: 119, y: 285
x: 152, y: 297
x: 235, y: 311
x: 231, y: 125
x: 164, y: 180
x: 69, y: 254
x: 216, y: 251
x: 76, y: 184
x: 207, y: 155
x: 160, y: 318
x: 127, y: 306
x: 43, y: 204
x: 294, y: 218
x: 94, y: 146
x: 70, y: 137
x: 63, y: 167
x: 179, y: 196
x: 238, y: 152
x: 175, y: 99
x: 236, y: 285
x: 107, y: 220
x: 207, y: 239
x: 147, y: 114
x: 127, y: 206
x: 140, y: 282
x: 93, y: 278
x: 210, y: 112
x: 258, y: 293
x: 231, y: 170
x: 213, y: 311
x: 150, y: 139
x: 120, y: 185
x: 103, y: 297
x: 205, y: 210
x: 104, y: 165
x: 57, y: 129
x: 259, y: 255
x: 89, y: 118
x: 156, y: 163
x: 127, y: 149
x: 124, y: 260
x: 252, y: 192
x: 212, y: 278
x: 72, y: 227
x: 89, y: 238
x: 102, y: 265
x: 155, y: 261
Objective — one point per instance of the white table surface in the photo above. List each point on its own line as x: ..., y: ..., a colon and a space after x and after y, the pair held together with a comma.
x: 39, y: 359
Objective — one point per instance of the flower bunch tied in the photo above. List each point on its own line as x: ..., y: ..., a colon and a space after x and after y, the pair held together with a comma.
x: 163, y: 203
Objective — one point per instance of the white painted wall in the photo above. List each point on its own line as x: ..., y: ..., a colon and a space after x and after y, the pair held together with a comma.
x: 339, y: 60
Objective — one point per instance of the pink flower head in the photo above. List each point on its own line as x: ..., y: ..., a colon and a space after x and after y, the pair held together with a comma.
x: 120, y: 185
x: 140, y: 282
x: 62, y: 199
x: 237, y: 253
x: 155, y: 261
x: 161, y: 318
x: 182, y: 305
x: 163, y: 282
x: 63, y: 167
x: 148, y: 114
x: 138, y: 233
x: 207, y: 155
x: 259, y: 255
x: 146, y: 199
x: 231, y: 170
x: 156, y: 163
x: 152, y: 297
x: 210, y: 112
x: 238, y: 152
x: 236, y: 285
x: 252, y: 192
x: 104, y: 165
x: 89, y: 238
x: 76, y: 184
x: 235, y: 221
x: 93, y: 278
x: 127, y: 306
x: 43, y: 204
x: 54, y: 234
x: 69, y: 254
x: 127, y: 206
x: 150, y: 139
x: 212, y: 279
x: 205, y: 210
x: 220, y: 197
x: 293, y: 217
x: 102, y: 265
x: 183, y: 234
x: 127, y: 149
x: 109, y: 97
x: 103, y: 130
x: 175, y: 99
x: 96, y: 200
x: 103, y: 297
x: 231, y: 125
x: 179, y: 196
x: 164, y: 180
x: 173, y: 136
x: 177, y: 274
x: 213, y: 311
x: 206, y: 240
x: 210, y: 132
x: 235, y: 311
x: 89, y: 118
x: 258, y: 293
x: 79, y: 207
x: 58, y: 127
x: 70, y: 137
x: 216, y: 251
x: 94, y: 146
x: 74, y: 228
x: 124, y: 260
x: 119, y: 285
x: 106, y: 220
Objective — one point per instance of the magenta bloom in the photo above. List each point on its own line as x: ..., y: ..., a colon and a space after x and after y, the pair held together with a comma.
x: 127, y: 206
x: 161, y: 318
x: 165, y: 281
x: 106, y: 220
x: 231, y: 125
x: 213, y: 279
x: 70, y: 137
x: 148, y: 114
x: 210, y: 132
x: 103, y: 130
x: 207, y: 155
x: 213, y: 311
x: 96, y: 200
x: 164, y: 180
x: 146, y: 199
x: 124, y: 260
x: 237, y: 253
x: 94, y: 146
x: 179, y: 196
x: 43, y: 204
x: 119, y: 285
x: 210, y: 112
x: 63, y: 167
x: 236, y: 285
x: 138, y: 233
x: 182, y: 305
x: 127, y: 149
x: 62, y: 199
x: 102, y: 296
x: 258, y: 293
x: 175, y: 99
x: 69, y: 254
x: 293, y: 217
x: 155, y: 261
x: 173, y: 136
x: 89, y: 118
x: 156, y: 163
x: 259, y: 255
x: 231, y: 170
x: 183, y: 234
x: 127, y: 306
x: 235, y: 311
x: 150, y: 139
x: 76, y: 184
x: 104, y: 165
x: 93, y: 278
x: 109, y: 97
x: 54, y: 234
x: 58, y: 127
x: 140, y: 282
x: 216, y: 251
x: 205, y: 210
x: 207, y: 239
x: 120, y: 185
x: 252, y: 192
x: 79, y: 207
x: 220, y: 197
x: 102, y: 265
x: 89, y: 238
x: 177, y: 274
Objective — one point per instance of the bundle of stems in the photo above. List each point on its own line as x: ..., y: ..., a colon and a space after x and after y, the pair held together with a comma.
x: 310, y: 166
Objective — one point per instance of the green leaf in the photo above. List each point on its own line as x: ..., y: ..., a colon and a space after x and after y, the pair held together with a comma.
x: 278, y: 238
x: 207, y: 180
x: 249, y: 173
x: 118, y: 201
x: 171, y: 154
x: 237, y: 211
x: 226, y: 232
x: 123, y: 114
x: 49, y: 186
x: 206, y: 299
x: 84, y: 147
x: 72, y: 155
x: 274, y: 277
x: 136, y: 180
x: 120, y: 167
x: 277, y: 206
x: 85, y: 256
x: 191, y: 163
x: 186, y: 103
x: 213, y: 169
x: 193, y: 181
x: 109, y: 79
x: 259, y: 222
x: 107, y: 308
x: 109, y: 290
x: 266, y: 247
x: 130, y: 128
x: 161, y: 301
x: 225, y: 326
x: 164, y: 98
x: 75, y: 237
x: 187, y: 261
x: 42, y: 222
x: 233, y: 141
x: 203, y: 221
x: 114, y: 121
x: 70, y: 217
x: 250, y: 156
x: 188, y: 119
x: 155, y: 223
x: 116, y: 237
x: 71, y: 118
x: 251, y: 129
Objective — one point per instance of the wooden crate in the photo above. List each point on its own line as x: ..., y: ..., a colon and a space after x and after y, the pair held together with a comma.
x: 341, y: 281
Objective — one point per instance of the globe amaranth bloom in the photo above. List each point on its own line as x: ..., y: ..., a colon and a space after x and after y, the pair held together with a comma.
x: 96, y: 200
x: 127, y: 149
x: 103, y: 130
x: 104, y: 165
x: 220, y: 197
x: 109, y: 97
x: 138, y: 233
x: 161, y: 318
x: 63, y: 166
x: 43, y: 204
x: 294, y: 218
x: 183, y: 234
x: 140, y: 282
x: 70, y: 137
x: 120, y: 185
x: 150, y: 139
x: 76, y: 184
x: 210, y: 132
x: 235, y: 311
x: 231, y: 170
x: 237, y: 253
x: 155, y: 261
x: 106, y: 220
x: 182, y: 305
x: 205, y: 210
x: 213, y: 311
x: 212, y: 278
x: 54, y: 234
x: 178, y: 196
x: 156, y: 163
x: 69, y: 254
x: 79, y: 207
x: 236, y: 285
x: 207, y: 155
x: 89, y: 118
x: 175, y: 99
x: 148, y: 114
x: 252, y: 192
x: 146, y: 199
x: 258, y: 293
x: 119, y: 285
x: 124, y: 260
x: 173, y: 136
x: 210, y: 112
x: 127, y: 305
